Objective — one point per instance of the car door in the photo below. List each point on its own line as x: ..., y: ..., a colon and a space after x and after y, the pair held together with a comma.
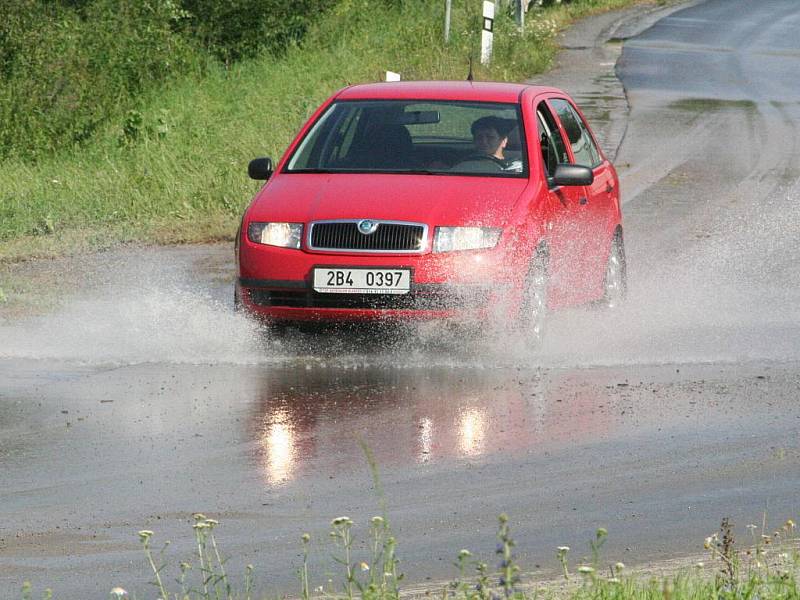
x: 596, y: 212
x: 566, y: 244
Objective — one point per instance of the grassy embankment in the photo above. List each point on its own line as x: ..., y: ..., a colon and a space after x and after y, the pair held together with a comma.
x: 174, y: 170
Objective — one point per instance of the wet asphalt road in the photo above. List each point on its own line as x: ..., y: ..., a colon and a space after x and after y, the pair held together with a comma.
x: 141, y: 399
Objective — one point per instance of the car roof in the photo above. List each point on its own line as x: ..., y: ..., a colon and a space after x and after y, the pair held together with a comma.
x: 482, y: 91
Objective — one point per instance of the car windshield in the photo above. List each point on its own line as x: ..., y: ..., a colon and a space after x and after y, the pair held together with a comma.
x: 410, y: 136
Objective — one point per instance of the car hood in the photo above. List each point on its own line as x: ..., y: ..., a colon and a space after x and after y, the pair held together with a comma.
x: 431, y: 199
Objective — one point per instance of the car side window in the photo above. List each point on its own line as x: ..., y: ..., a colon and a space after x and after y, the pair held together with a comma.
x: 554, y: 151
x: 583, y: 147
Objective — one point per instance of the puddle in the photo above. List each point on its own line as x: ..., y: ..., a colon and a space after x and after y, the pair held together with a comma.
x: 712, y: 104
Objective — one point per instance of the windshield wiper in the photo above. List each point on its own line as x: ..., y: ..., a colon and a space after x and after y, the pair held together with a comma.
x: 419, y: 171
x: 362, y: 171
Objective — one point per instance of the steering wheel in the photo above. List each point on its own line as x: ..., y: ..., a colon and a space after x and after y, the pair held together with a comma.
x: 488, y: 158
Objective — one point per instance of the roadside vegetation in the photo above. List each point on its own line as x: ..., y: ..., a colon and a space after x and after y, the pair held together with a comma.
x: 766, y: 569
x: 126, y: 121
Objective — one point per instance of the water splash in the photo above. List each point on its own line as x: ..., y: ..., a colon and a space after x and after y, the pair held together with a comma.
x: 733, y: 296
x: 126, y: 327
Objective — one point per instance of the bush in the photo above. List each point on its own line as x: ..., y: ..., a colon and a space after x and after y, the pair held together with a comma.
x: 68, y: 67
x: 243, y: 28
x: 64, y: 69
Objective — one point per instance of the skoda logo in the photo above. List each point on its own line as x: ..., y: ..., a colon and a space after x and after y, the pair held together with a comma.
x: 367, y: 227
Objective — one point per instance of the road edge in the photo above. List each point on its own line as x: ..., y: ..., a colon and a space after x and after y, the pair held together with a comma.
x: 586, y: 65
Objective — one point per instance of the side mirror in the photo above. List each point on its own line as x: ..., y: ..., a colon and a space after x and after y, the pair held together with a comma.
x: 571, y: 175
x: 260, y: 168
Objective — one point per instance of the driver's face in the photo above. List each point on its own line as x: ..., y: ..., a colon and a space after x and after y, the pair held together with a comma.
x: 487, y: 140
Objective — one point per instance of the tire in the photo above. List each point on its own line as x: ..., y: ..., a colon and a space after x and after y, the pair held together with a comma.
x: 615, y: 283
x: 533, y: 312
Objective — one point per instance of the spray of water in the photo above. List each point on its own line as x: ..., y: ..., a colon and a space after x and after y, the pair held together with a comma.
x: 172, y: 326
x: 733, y: 297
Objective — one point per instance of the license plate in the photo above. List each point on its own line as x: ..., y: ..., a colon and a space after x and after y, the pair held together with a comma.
x: 362, y: 281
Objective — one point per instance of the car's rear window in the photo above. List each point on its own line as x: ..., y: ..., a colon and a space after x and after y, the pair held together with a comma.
x: 408, y: 136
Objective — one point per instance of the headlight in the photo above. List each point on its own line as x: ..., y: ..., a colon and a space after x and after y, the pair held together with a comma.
x: 285, y: 235
x: 448, y: 239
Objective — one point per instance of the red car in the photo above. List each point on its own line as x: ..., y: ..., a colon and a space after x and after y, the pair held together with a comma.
x: 434, y: 200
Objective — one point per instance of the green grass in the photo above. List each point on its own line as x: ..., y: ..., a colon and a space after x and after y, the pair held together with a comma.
x: 767, y: 569
x: 174, y: 170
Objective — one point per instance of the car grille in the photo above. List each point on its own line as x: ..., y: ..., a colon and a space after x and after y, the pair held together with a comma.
x: 434, y: 299
x: 388, y: 237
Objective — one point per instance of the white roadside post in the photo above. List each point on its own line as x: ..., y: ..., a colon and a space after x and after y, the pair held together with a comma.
x: 447, y: 11
x: 486, y: 34
x: 392, y: 76
x: 519, y: 11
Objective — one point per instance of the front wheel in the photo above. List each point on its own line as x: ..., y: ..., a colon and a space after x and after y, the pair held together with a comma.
x: 615, y: 284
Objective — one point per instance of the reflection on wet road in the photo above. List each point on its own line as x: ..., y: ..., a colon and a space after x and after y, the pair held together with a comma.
x: 412, y: 416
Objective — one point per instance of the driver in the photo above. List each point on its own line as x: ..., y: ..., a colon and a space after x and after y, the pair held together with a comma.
x: 489, y: 138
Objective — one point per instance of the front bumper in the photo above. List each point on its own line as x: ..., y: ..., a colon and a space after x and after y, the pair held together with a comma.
x: 297, y: 301
x: 276, y: 284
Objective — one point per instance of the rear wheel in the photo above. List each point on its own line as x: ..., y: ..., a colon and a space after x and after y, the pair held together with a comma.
x: 615, y: 285
x: 533, y: 312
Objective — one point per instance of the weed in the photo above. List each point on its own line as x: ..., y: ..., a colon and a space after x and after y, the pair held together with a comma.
x: 144, y: 537
x: 728, y: 553
x: 721, y: 545
x: 131, y: 128
x: 596, y: 544
x: 509, y: 571
x: 305, y: 592
x: 561, y: 555
x: 459, y: 586
x: 342, y: 537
